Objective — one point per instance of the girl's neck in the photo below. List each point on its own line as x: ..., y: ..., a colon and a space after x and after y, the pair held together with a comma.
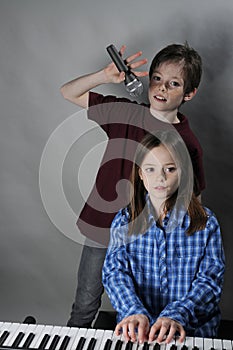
x: 169, y: 117
x: 159, y: 209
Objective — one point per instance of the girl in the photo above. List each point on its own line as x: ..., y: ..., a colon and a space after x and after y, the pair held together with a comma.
x: 165, y: 263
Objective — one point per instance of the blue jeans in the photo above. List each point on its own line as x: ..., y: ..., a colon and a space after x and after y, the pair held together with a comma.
x: 90, y: 289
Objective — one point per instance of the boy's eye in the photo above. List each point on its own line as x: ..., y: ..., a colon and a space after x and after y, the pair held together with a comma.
x: 156, y: 78
x: 174, y: 83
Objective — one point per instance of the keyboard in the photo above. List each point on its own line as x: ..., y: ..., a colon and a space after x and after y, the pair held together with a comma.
x: 24, y: 336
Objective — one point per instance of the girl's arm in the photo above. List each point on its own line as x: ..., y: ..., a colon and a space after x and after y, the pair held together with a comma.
x: 117, y: 277
x: 201, y: 302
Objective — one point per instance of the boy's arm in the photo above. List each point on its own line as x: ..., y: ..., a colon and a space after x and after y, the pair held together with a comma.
x: 77, y: 90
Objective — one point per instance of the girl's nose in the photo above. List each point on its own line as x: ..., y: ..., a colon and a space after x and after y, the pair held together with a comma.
x: 161, y: 175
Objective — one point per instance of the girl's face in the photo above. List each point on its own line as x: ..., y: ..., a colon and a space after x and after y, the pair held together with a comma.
x: 159, y: 174
x: 166, y: 90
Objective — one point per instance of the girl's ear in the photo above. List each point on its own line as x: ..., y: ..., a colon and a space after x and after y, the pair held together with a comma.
x: 140, y: 173
x: 190, y: 95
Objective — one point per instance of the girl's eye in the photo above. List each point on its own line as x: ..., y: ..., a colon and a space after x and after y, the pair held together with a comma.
x: 149, y: 170
x: 170, y: 169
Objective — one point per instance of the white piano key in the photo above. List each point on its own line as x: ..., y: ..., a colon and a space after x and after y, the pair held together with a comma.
x: 172, y: 342
x: 107, y: 334
x: 30, y: 329
x: 115, y: 338
x: 199, y: 342
x: 62, y: 333
x: 73, y: 332
x: 22, y: 328
x: 38, y: 331
x: 1, y: 323
x: 5, y: 326
x: 13, y: 330
x: 46, y: 330
x: 217, y: 344
x: 81, y: 333
x: 99, y: 335
x: 227, y: 344
x: 54, y: 331
x: 189, y: 342
x: 208, y: 343
x: 90, y: 334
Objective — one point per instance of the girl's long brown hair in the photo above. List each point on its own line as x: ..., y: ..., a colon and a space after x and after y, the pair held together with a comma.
x: 183, y: 199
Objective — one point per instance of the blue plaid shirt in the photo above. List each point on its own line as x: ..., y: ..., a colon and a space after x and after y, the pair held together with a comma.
x: 167, y: 274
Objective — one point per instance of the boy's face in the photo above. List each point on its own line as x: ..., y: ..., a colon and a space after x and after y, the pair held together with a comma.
x: 166, y: 89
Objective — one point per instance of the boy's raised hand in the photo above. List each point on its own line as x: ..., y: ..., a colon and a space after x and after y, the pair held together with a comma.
x: 114, y: 76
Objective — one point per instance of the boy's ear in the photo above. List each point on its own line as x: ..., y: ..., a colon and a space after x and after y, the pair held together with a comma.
x: 190, y: 95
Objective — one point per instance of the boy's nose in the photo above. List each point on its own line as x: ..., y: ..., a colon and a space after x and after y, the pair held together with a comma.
x: 162, y: 87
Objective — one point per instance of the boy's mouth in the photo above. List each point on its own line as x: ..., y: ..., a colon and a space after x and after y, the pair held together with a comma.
x: 160, y: 98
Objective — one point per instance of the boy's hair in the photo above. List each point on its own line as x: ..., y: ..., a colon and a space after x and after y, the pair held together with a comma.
x: 177, y: 53
x: 183, y: 199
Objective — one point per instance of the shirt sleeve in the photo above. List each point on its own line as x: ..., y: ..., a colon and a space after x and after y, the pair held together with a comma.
x: 201, y: 302
x: 117, y: 276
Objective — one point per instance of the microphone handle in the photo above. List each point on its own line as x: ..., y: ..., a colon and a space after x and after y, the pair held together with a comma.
x: 117, y: 59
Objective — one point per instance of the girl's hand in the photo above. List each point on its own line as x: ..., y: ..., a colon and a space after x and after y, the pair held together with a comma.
x: 166, y: 328
x: 114, y: 76
x: 130, y: 324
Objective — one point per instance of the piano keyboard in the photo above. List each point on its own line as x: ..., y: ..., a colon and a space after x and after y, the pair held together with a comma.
x: 16, y: 336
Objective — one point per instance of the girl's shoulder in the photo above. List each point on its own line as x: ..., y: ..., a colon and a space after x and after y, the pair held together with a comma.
x: 121, y: 218
x: 212, y: 220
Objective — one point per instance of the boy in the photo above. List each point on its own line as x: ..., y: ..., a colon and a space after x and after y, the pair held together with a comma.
x: 174, y: 75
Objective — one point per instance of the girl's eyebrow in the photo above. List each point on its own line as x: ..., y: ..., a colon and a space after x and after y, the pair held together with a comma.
x: 153, y: 164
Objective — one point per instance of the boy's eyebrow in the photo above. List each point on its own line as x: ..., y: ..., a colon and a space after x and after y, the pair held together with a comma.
x: 175, y: 77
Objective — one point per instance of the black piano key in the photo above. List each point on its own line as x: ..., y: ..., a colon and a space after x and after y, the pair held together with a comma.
x: 156, y: 346
x: 18, y: 339
x: 91, y: 344
x: 184, y: 347
x: 3, y: 337
x: 81, y: 343
x: 118, y: 345
x: 54, y: 342
x: 28, y: 341
x: 64, y: 343
x: 195, y: 348
x: 44, y: 341
x: 108, y: 344
x: 129, y: 345
x: 145, y: 346
x: 173, y: 347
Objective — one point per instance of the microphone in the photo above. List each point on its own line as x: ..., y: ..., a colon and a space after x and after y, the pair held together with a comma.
x: 132, y: 84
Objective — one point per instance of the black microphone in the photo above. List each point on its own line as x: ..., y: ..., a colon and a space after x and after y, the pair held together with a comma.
x: 132, y: 84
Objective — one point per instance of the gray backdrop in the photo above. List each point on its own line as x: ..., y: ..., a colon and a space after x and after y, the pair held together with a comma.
x: 45, y: 43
